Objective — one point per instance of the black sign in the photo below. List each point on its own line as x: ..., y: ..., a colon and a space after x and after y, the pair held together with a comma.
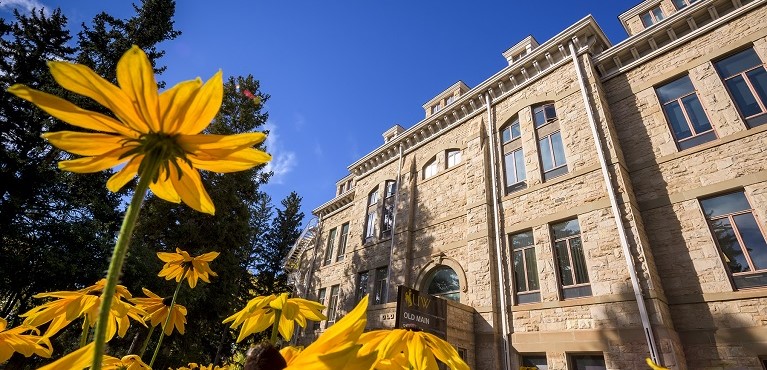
x: 427, y: 312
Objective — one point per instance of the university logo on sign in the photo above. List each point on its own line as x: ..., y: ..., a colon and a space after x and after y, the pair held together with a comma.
x: 427, y: 312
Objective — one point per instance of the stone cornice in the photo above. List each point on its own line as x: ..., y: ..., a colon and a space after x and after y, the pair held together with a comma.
x: 336, y: 203
x: 684, y: 25
x: 512, y: 78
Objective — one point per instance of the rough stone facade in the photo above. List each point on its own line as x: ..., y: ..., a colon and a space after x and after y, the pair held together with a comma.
x: 642, y: 231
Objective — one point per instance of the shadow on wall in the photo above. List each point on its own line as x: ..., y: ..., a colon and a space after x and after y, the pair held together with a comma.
x: 713, y: 335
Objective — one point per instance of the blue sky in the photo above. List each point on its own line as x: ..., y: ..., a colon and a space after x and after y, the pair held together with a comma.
x: 340, y: 73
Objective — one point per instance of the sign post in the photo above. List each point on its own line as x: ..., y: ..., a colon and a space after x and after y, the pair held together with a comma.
x: 427, y: 312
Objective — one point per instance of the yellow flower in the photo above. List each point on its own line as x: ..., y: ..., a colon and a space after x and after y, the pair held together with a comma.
x: 152, y: 130
x: 650, y: 363
x: 84, y: 302
x: 418, y: 348
x: 83, y: 357
x: 180, y: 264
x: 193, y: 366
x: 336, y: 348
x: 156, y: 309
x: 260, y: 312
x: 14, y: 340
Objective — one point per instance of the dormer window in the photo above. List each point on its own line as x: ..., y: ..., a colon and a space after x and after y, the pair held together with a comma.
x: 435, y: 108
x: 679, y: 4
x: 652, y: 16
x: 449, y: 100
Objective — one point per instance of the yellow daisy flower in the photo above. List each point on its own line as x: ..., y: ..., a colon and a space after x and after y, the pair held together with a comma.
x: 157, y: 132
x: 650, y: 363
x: 83, y: 358
x: 260, y: 312
x: 84, y: 302
x: 418, y: 347
x: 14, y: 340
x: 336, y: 348
x: 180, y: 265
x: 156, y: 309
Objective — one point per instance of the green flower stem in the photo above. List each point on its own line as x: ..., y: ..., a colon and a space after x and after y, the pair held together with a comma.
x: 146, y: 342
x: 86, y: 331
x: 273, y: 338
x: 167, y: 319
x: 118, y: 257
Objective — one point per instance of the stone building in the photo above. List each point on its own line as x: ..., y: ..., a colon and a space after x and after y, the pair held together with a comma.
x: 586, y: 207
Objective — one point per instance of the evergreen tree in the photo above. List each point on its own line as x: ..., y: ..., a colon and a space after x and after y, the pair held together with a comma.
x: 50, y: 220
x: 285, y: 230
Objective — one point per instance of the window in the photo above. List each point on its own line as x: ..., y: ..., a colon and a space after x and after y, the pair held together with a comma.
x: 552, y: 153
x: 370, y: 225
x: 544, y: 114
x: 329, y: 247
x: 342, y: 242
x: 453, y: 157
x: 391, y: 188
x: 382, y: 275
x: 450, y: 99
x: 573, y: 275
x: 388, y: 219
x: 430, y: 169
x: 679, y: 4
x: 587, y: 362
x: 372, y: 215
x: 435, y: 108
x: 652, y: 16
x: 362, y: 285
x: 511, y: 132
x: 530, y: 362
x: 525, y: 268
x: 514, y: 165
x: 746, y: 80
x: 321, y: 300
x: 333, y: 304
x: 444, y: 283
x: 739, y: 237
x: 685, y: 114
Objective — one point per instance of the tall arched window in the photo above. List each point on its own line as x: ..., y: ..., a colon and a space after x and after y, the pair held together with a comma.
x: 370, y: 219
x: 513, y: 157
x: 444, y: 283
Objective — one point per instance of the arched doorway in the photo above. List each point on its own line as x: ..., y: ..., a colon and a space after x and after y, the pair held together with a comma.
x: 443, y: 282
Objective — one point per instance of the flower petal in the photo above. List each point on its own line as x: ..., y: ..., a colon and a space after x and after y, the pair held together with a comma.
x: 78, y: 359
x: 84, y: 143
x: 127, y: 173
x: 240, y: 160
x: 96, y: 163
x: 136, y: 78
x: 191, y: 190
x: 193, y: 143
x: 82, y: 80
x: 204, y: 107
x: 71, y: 113
x: 164, y: 189
x: 175, y: 101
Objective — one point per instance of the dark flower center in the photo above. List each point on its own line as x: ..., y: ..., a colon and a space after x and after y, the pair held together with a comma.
x: 158, y: 147
x: 264, y: 356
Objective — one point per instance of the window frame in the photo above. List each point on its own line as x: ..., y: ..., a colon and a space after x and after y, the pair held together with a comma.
x: 362, y: 289
x: 730, y: 216
x: 446, y: 294
x: 523, y: 251
x: 684, y: 3
x: 381, y: 285
x: 653, y: 17
x: 546, y: 119
x: 333, y: 304
x: 572, y: 358
x: 342, y: 240
x: 753, y: 120
x: 507, y: 128
x: 575, y: 286
x: 330, y: 246
x: 371, y: 217
x: 321, y: 295
x: 430, y: 168
x: 519, y: 183
x: 455, y: 155
x: 701, y: 137
x: 557, y: 169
